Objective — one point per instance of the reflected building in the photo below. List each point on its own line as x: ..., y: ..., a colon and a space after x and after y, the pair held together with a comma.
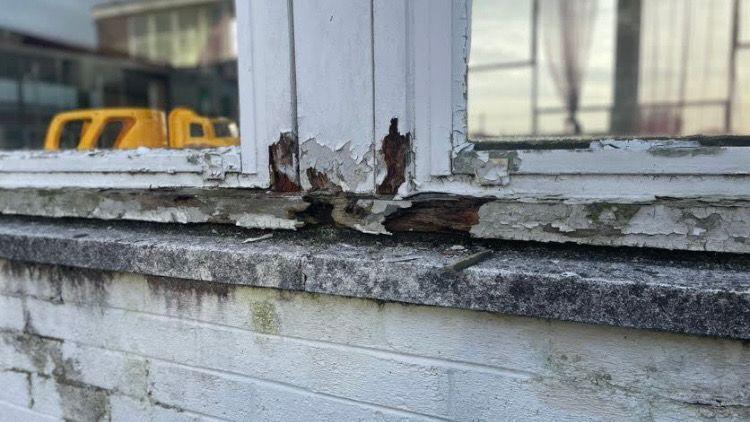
x: 159, y: 54
x: 178, y: 33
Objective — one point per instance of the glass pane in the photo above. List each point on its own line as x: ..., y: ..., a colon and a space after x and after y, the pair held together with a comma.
x: 109, y: 135
x: 117, y: 54
x: 510, y: 42
x: 164, y: 36
x: 71, y: 134
x: 744, y: 28
x: 609, y: 67
x: 741, y: 110
x: 500, y: 103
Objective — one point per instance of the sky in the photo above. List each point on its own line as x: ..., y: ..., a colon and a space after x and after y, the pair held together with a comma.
x: 67, y: 21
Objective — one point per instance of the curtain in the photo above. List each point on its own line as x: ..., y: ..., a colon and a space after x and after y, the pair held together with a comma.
x: 567, y: 34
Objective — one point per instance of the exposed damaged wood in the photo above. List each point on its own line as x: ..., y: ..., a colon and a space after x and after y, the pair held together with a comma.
x: 320, y: 181
x: 395, y: 152
x: 366, y: 215
x: 284, y: 165
x: 442, y: 215
x: 721, y: 225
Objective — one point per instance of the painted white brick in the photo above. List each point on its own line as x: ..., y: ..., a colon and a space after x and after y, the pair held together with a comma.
x: 14, y: 388
x: 478, y: 397
x: 30, y: 353
x: 68, y: 401
x: 502, y: 341
x: 107, y: 369
x: 679, y: 367
x: 10, y: 358
x: 46, y: 397
x: 15, y: 280
x: 334, y: 358
x: 242, y: 399
x: 127, y: 409
x: 389, y: 380
x: 11, y: 313
x: 12, y: 413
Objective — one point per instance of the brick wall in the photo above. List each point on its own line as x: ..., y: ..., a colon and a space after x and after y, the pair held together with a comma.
x: 87, y: 345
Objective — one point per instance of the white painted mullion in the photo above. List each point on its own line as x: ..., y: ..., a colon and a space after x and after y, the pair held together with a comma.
x: 265, y: 80
x: 433, y: 91
x: 461, y: 44
x: 334, y: 80
x: 391, y: 70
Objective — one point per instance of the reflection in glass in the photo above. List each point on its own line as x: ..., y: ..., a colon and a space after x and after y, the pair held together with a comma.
x: 61, y: 56
x: 609, y: 67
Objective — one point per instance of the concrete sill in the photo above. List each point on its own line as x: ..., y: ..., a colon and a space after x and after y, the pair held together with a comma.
x: 693, y: 293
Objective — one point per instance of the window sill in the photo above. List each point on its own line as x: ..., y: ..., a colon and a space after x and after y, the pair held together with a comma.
x: 684, y: 293
x: 717, y: 224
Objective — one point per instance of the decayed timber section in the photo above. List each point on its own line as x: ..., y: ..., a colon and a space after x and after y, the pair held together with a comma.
x: 664, y: 223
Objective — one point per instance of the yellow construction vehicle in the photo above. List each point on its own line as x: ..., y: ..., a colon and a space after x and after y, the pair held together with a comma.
x: 128, y: 128
x: 190, y: 130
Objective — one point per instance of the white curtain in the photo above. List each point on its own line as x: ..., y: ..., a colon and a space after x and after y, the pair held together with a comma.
x: 567, y: 27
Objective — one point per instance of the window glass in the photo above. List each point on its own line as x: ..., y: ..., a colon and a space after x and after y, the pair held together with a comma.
x: 71, y: 134
x: 608, y: 67
x: 110, y: 133
x: 196, y: 130
x: 119, y: 56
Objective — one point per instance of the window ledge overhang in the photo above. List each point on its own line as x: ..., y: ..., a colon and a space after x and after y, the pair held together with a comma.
x: 684, y: 293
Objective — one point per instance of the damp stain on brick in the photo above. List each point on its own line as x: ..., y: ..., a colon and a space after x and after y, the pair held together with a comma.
x: 62, y: 283
x: 79, y: 401
x: 395, y: 155
x: 184, y: 295
x: 283, y: 163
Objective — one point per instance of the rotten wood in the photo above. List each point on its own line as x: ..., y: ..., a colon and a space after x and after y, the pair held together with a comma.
x: 284, y: 165
x: 319, y: 181
x: 442, y: 215
x: 720, y: 225
x: 396, y: 149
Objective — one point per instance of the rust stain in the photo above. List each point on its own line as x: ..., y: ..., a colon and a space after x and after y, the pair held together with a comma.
x: 395, y: 152
x: 283, y: 164
x: 436, y: 215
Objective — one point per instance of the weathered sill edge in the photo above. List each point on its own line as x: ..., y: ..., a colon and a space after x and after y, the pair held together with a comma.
x: 705, y: 224
x: 650, y: 295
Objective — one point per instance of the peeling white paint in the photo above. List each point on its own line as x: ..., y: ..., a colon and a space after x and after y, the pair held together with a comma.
x: 378, y: 211
x: 668, y: 224
x: 342, y: 166
x: 265, y: 221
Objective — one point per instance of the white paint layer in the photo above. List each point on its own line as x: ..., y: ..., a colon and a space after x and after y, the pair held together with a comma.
x: 154, y: 349
x: 334, y: 68
x: 265, y: 80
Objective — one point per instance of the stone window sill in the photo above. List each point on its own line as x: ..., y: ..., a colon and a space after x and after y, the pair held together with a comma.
x: 685, y: 292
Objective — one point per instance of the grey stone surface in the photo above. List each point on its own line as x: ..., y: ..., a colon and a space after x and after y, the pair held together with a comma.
x: 694, y: 293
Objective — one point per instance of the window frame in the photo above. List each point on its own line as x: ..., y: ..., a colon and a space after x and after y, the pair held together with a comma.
x: 261, y: 108
x: 414, y: 71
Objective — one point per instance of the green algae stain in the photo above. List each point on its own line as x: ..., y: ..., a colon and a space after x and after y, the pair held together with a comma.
x: 264, y: 318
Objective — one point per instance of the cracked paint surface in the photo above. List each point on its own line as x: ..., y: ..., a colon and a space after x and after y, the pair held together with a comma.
x: 489, y: 168
x: 669, y: 224
x: 341, y: 166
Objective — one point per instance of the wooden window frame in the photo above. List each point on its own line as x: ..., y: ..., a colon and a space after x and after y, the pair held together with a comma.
x: 342, y: 81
